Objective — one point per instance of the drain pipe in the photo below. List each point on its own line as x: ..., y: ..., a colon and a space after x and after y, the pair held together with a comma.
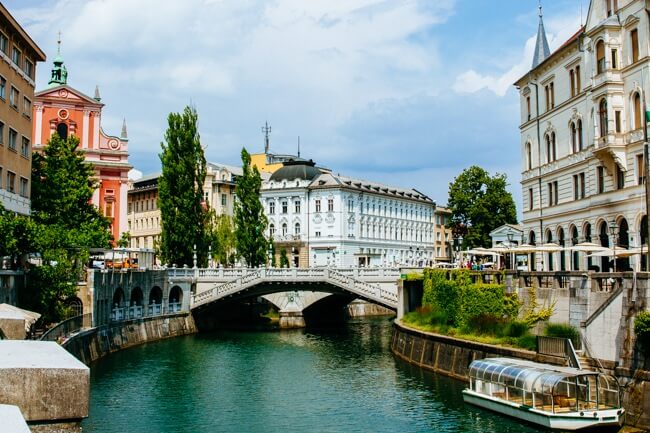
x: 539, y: 162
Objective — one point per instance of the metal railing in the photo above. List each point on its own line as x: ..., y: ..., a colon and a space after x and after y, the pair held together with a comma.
x: 67, y: 327
x: 560, y: 347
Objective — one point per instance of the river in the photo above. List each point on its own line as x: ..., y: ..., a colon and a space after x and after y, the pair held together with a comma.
x: 334, y: 380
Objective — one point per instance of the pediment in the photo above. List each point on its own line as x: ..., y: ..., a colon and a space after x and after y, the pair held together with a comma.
x: 67, y: 93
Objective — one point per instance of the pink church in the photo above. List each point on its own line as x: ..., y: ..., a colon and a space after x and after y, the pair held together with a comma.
x: 63, y: 109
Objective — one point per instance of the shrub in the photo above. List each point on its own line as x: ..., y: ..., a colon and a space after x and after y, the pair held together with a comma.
x: 562, y: 330
x: 527, y: 341
x: 480, y: 299
x: 515, y: 329
x: 642, y: 330
x: 484, y: 324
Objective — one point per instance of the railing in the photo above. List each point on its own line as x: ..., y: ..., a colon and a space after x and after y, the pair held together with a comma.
x: 234, y: 273
x: 68, y: 326
x: 140, y: 311
x: 561, y: 347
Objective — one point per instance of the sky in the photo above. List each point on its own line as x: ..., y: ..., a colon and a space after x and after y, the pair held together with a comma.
x: 403, y: 92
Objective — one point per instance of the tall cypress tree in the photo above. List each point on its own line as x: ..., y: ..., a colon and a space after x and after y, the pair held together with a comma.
x: 250, y: 220
x: 180, y: 192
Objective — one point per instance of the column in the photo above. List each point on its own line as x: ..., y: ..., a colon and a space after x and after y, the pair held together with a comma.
x: 38, y: 132
x: 86, y: 127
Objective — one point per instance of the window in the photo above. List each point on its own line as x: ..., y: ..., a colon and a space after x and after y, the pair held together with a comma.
x: 271, y: 230
x: 574, y: 138
x: 617, y: 120
x: 609, y: 7
x: 271, y: 208
x: 29, y: 68
x: 330, y: 205
x: 13, y: 138
x: 317, y: 234
x: 27, y: 107
x: 285, y: 207
x: 3, y: 88
x: 600, y: 57
x: 602, y: 117
x: 529, y: 159
x: 284, y: 229
x: 10, y: 185
x: 640, y: 169
x: 634, y: 42
x: 14, y: 95
x: 24, y: 147
x: 527, y: 107
x: 224, y: 200
x: 24, y: 187
x: 637, y: 111
x: 549, y: 91
x: 572, y: 80
x: 578, y: 186
x: 551, y: 148
x: 108, y: 209
x: 583, y: 189
x: 614, y: 59
x: 296, y: 229
x: 15, y: 56
x: 2, y: 133
x: 620, y: 178
x: 552, y: 193
x: 552, y: 90
x: 600, y: 179
x: 579, y: 123
x: 62, y: 130
x: 317, y: 205
x: 578, y: 84
x: 4, y: 43
x: 296, y: 207
x: 530, y: 199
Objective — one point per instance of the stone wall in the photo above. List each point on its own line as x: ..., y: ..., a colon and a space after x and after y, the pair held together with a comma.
x: 452, y: 356
x: 95, y: 343
x: 360, y: 308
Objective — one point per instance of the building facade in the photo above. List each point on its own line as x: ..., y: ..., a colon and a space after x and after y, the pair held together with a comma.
x: 143, y: 214
x: 67, y: 111
x: 322, y: 219
x: 581, y: 129
x: 19, y: 56
x: 442, y: 235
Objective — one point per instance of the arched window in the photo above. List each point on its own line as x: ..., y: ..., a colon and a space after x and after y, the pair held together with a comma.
x: 284, y: 229
x: 644, y: 242
x: 548, y: 149
x: 579, y: 128
x: 549, y: 239
x: 529, y: 159
x: 296, y: 229
x: 575, y: 256
x: 600, y: 57
x: 553, y: 146
x: 574, y: 138
x: 62, y: 130
x: 602, y: 117
x: 637, y: 111
x: 271, y: 230
x: 561, y: 242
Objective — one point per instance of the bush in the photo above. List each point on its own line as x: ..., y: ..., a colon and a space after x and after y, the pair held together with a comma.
x: 562, y: 330
x: 527, y: 341
x: 427, y: 317
x: 515, y: 329
x: 642, y: 330
x: 484, y: 324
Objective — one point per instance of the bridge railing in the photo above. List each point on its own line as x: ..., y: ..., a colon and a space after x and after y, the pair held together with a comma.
x: 234, y: 273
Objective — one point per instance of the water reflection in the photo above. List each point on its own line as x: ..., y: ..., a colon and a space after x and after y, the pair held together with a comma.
x: 330, y: 380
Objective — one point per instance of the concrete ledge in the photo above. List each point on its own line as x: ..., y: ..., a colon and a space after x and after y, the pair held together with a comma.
x: 12, y: 420
x: 43, y: 380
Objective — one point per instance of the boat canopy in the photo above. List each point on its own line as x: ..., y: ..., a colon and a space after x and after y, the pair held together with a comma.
x: 520, y: 379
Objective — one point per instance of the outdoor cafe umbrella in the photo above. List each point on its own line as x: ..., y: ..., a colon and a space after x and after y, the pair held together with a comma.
x: 587, y: 247
x: 550, y: 247
x: 525, y: 248
x: 619, y: 252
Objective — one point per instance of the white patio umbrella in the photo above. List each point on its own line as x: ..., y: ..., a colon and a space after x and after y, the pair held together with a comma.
x: 619, y: 252
x: 587, y: 247
x: 550, y: 247
x: 526, y: 248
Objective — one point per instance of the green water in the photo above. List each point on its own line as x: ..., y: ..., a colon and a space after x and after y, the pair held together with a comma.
x: 336, y: 380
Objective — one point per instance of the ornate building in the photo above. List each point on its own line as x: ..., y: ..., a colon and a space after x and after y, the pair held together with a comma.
x: 582, y: 137
x: 442, y: 235
x: 18, y: 58
x: 67, y: 111
x: 322, y: 219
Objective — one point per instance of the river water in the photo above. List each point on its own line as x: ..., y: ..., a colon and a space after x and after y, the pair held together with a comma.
x: 333, y: 380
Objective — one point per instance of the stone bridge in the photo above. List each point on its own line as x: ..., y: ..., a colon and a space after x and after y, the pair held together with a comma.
x: 291, y: 290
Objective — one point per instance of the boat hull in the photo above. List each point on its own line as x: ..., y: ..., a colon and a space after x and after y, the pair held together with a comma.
x: 591, y: 419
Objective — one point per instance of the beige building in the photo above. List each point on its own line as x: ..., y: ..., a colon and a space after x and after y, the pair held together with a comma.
x: 582, y: 137
x: 19, y: 55
x: 442, y: 235
x: 143, y: 214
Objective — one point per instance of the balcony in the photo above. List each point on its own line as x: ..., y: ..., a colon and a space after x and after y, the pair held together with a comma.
x: 610, y: 151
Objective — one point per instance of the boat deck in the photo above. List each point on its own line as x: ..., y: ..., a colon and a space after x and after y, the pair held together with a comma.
x: 562, y: 404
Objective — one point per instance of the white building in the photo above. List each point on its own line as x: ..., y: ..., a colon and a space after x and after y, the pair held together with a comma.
x: 322, y: 219
x: 582, y: 137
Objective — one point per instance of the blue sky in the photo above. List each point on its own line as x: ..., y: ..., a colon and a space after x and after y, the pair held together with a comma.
x: 400, y: 92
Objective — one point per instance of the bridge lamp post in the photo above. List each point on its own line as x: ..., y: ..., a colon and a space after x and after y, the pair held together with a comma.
x: 510, y: 256
x: 458, y: 241
x: 612, y: 231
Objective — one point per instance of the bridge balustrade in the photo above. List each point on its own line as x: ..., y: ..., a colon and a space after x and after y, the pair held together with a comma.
x: 135, y: 311
x: 154, y: 309
x: 117, y: 314
x: 174, y: 307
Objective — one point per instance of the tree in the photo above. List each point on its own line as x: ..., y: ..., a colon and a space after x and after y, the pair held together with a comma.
x: 221, y: 234
x: 180, y: 192
x: 480, y: 203
x: 250, y: 220
x: 65, y: 225
x: 284, y: 259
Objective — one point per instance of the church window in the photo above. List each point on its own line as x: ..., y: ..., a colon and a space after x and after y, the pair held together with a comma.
x: 62, y: 130
x: 600, y: 57
x: 634, y: 41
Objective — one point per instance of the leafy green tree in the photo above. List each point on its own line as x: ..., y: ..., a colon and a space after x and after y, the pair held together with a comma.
x: 180, y: 192
x: 480, y: 203
x: 65, y: 225
x: 123, y: 242
x: 284, y: 259
x: 16, y: 236
x: 250, y: 220
x: 221, y: 234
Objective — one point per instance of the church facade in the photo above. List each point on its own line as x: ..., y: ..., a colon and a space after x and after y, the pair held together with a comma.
x: 65, y: 110
x: 582, y: 134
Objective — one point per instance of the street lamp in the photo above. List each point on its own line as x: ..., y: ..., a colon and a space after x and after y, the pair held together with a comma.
x: 458, y: 241
x: 510, y: 237
x: 612, y: 231
x: 270, y: 251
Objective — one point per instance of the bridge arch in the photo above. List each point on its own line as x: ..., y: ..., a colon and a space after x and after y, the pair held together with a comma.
x: 118, y: 297
x: 136, y: 297
x: 155, y: 295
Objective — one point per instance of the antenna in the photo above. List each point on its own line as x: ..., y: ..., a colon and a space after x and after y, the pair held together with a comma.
x: 298, y: 146
x: 266, y: 130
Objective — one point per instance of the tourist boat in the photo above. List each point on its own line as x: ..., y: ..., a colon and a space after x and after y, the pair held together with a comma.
x: 554, y: 397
